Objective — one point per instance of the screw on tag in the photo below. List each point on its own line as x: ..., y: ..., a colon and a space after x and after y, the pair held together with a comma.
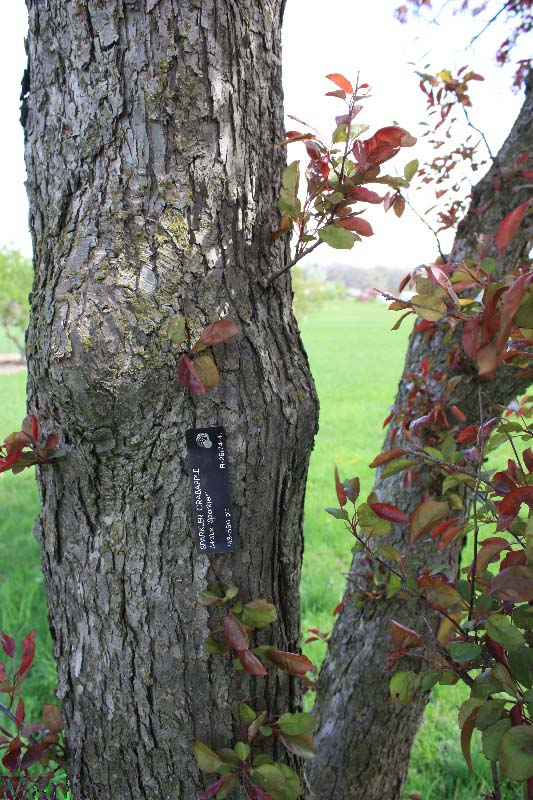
x: 211, y: 501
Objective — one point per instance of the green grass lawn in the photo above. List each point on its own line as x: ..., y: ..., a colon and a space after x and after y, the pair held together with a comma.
x: 356, y: 362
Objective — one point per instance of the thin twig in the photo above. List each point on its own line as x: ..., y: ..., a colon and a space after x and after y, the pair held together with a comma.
x: 495, y: 782
x: 463, y: 674
x: 292, y: 263
x: 480, y: 443
x: 489, y: 23
x: 4, y: 709
x: 478, y: 130
x: 426, y: 223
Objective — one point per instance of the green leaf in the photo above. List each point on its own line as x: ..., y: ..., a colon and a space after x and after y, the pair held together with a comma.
x: 464, y: 651
x: 301, y: 745
x: 448, y: 677
x: 227, y: 788
x: 395, y: 466
x: 352, y: 488
x: 489, y: 264
x: 499, y: 628
x: 242, y: 750
x: 490, y: 713
x: 258, y: 613
x: 430, y: 679
x: 429, y: 307
x: 262, y: 759
x: 492, y: 736
x: 425, y: 517
x: 229, y: 756
x: 394, y: 585
x: 290, y: 177
x: 337, y: 237
x: 208, y: 598
x: 468, y: 708
x: 403, y: 686
x: 215, y: 648
x: 390, y: 552
x: 207, y: 760
x: 521, y: 662
x: 370, y: 523
x: 523, y: 617
x: 293, y: 788
x: 338, y: 513
x: 176, y: 330
x: 516, y: 753
x: 288, y: 202
x: 339, y: 134
x: 293, y: 724
x: 243, y: 713
x: 269, y: 777
x: 411, y: 169
x: 207, y: 371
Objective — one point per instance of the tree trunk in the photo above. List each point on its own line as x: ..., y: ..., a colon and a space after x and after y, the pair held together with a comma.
x: 363, y: 739
x: 152, y: 177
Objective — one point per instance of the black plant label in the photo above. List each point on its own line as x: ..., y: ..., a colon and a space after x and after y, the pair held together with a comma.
x: 211, y: 502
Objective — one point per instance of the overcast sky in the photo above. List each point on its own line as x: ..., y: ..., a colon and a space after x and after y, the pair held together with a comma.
x: 346, y: 36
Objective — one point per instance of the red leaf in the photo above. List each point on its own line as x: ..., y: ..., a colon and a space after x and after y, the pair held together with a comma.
x: 259, y: 794
x: 235, y: 633
x: 30, y: 426
x: 388, y: 455
x: 450, y: 535
x: 291, y: 663
x: 467, y: 435
x: 33, y: 754
x: 337, y: 93
x: 341, y: 492
x: 438, y: 590
x: 515, y: 558
x: 360, y: 194
x: 251, y: 663
x: 211, y: 791
x: 527, y: 455
x: 52, y: 441
x: 514, y: 584
x: 218, y: 332
x: 26, y: 659
x: 8, y: 644
x: 466, y: 737
x: 387, y: 511
x: 458, y: 414
x: 360, y: 226
x: 10, y: 461
x: 16, y: 442
x: 20, y: 713
x: 509, y: 226
x: 340, y: 81
x: 490, y: 548
x: 187, y: 376
x: 313, y: 151
x: 404, y: 638
x: 448, y: 530
x: 385, y: 144
x: 509, y: 507
x: 12, y: 757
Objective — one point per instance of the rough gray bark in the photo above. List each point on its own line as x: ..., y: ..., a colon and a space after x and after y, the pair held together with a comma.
x: 363, y: 739
x: 152, y: 177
